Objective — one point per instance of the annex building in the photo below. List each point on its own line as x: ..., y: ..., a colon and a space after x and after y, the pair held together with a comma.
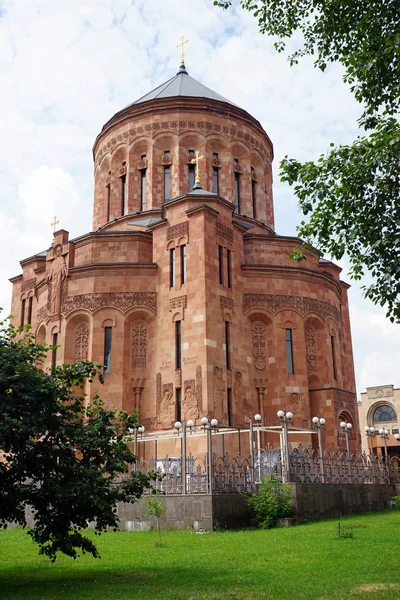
x: 183, y: 290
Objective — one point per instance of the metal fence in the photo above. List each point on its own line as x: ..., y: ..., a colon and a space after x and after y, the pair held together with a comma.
x: 232, y: 474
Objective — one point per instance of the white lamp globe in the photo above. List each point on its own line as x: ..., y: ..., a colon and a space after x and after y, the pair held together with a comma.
x: 178, y: 425
x: 190, y: 423
x: 349, y: 426
x: 366, y: 429
x: 204, y: 421
x: 280, y: 414
x: 322, y: 421
x: 214, y: 422
x: 289, y: 415
x: 257, y: 417
x: 141, y: 429
x: 381, y: 431
x: 343, y: 425
x: 315, y: 420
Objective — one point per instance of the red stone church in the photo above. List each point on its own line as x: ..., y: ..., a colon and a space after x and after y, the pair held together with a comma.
x: 183, y: 290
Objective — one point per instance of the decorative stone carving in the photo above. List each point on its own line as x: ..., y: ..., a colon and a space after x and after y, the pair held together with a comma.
x: 121, y: 300
x: 178, y: 378
x: 311, y: 348
x: 178, y: 302
x: 229, y: 379
x: 254, y: 175
x: 224, y: 232
x: 219, y: 390
x: 139, y: 344
x: 58, y: 272
x: 41, y: 314
x: 27, y: 285
x: 190, y: 406
x: 177, y: 231
x: 149, y: 423
x: 167, y: 408
x: 199, y: 388
x: 298, y: 405
x: 142, y: 164
x: 150, y: 129
x: 158, y: 392
x: 258, y: 343
x: 346, y: 401
x: 242, y: 408
x: 216, y: 162
x: 226, y: 302
x: 122, y: 171
x: 81, y: 342
x: 302, y: 304
x: 237, y: 167
x: 166, y: 160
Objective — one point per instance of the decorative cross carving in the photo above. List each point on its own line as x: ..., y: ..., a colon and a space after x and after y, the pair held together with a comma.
x: 181, y: 44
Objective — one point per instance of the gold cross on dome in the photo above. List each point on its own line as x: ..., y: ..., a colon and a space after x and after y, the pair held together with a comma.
x: 195, y: 160
x: 53, y: 224
x: 181, y: 44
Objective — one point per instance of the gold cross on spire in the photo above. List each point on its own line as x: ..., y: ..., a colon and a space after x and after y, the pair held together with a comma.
x: 181, y: 44
x: 195, y: 160
x: 53, y: 224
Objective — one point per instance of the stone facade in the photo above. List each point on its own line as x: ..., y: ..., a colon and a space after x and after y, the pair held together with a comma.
x: 380, y: 408
x: 235, y: 294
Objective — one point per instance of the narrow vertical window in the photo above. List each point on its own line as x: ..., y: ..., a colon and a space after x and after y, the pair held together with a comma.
x: 221, y: 264
x: 237, y: 187
x: 172, y: 268
x: 178, y: 412
x: 289, y: 351
x: 107, y: 350
x: 167, y: 178
x: 108, y: 201
x: 333, y: 356
x: 229, y: 267
x: 192, y: 169
x: 253, y: 193
x: 30, y: 304
x: 178, y: 346
x: 227, y: 343
x: 123, y: 192
x: 143, y: 186
x: 23, y: 305
x: 54, y: 351
x: 215, y: 176
x: 229, y: 406
x: 183, y: 264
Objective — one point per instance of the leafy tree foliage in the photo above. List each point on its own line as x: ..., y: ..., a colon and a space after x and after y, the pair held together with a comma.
x: 351, y: 193
x: 65, y: 458
x: 272, y: 502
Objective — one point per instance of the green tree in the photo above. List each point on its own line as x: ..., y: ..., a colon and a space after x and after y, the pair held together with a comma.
x: 156, y: 508
x: 351, y: 193
x: 272, y: 502
x: 65, y: 458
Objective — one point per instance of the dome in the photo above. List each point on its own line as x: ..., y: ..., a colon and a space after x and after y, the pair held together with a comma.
x: 181, y: 85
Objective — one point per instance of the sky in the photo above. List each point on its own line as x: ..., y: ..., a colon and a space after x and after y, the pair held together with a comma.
x: 67, y: 67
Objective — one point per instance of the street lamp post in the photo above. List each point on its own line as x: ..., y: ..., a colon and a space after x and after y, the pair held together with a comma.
x: 319, y: 426
x: 209, y: 427
x: 347, y: 427
x: 370, y: 433
x: 384, y: 435
x: 285, y: 418
x: 257, y: 419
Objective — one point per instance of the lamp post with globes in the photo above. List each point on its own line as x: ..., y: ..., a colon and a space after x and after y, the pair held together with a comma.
x: 209, y: 426
x: 370, y: 433
x: 285, y: 419
x: 346, y: 428
x: 319, y: 426
x: 178, y: 426
x: 257, y: 419
x: 384, y: 435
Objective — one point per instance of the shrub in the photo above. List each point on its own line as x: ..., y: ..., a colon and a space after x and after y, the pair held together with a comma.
x: 396, y: 502
x: 273, y: 501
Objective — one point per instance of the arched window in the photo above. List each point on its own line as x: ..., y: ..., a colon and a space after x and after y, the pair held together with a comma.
x: 384, y: 413
x: 139, y: 344
x: 81, y: 342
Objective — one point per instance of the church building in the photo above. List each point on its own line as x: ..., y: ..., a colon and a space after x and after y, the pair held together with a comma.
x: 183, y: 290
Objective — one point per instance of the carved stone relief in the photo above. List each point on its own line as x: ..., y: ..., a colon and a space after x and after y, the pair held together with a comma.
x: 224, y: 232
x: 121, y: 300
x: 199, y: 388
x: 226, y: 302
x: 178, y: 302
x: 81, y: 342
x: 302, y: 304
x: 178, y: 230
x: 150, y: 129
x: 58, y: 272
x: 219, y: 391
x: 190, y: 408
x: 298, y: 406
x: 242, y: 408
x: 311, y: 348
x: 167, y: 407
x: 139, y: 344
x: 258, y: 343
x: 28, y: 285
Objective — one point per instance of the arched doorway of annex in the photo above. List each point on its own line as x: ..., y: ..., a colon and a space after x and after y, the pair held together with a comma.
x: 78, y: 337
x: 139, y: 349
x: 259, y: 344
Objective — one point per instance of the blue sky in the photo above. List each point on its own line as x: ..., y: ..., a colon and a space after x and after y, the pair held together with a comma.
x: 67, y: 67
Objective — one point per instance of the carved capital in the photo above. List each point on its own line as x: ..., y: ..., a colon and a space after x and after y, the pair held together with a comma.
x: 166, y: 160
x: 142, y: 164
x: 216, y: 163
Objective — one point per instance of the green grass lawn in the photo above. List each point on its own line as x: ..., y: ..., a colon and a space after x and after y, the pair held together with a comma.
x: 303, y: 562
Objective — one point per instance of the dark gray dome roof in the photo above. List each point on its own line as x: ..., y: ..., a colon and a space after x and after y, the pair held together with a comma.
x: 182, y: 85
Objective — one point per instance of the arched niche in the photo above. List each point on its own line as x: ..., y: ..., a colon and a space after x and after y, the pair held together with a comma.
x: 40, y: 336
x: 259, y: 330
x: 77, y: 338
x: 139, y: 340
x: 102, y: 192
x: 164, y: 154
x: 223, y: 163
x: 315, y: 346
x: 378, y: 412
x: 140, y: 169
x: 119, y: 170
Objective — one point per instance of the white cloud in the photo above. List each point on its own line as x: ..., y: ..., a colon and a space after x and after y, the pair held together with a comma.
x: 67, y: 67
